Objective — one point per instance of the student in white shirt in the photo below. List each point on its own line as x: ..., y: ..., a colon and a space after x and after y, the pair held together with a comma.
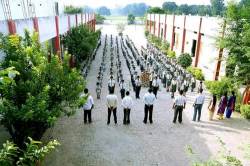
x: 137, y: 87
x: 198, y: 103
x: 111, y: 84
x: 88, y: 106
x: 155, y: 86
x: 127, y: 103
x: 149, y: 100
x: 173, y: 86
x: 112, y: 101
x: 122, y: 89
x: 151, y: 79
x: 178, y: 106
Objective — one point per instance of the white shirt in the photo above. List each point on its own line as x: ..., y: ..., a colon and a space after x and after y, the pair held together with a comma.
x: 149, y: 98
x: 127, y: 102
x: 112, y: 101
x: 137, y: 82
x: 89, y: 102
x: 155, y: 83
x: 111, y: 83
x: 199, y: 99
x: 122, y: 86
x: 173, y: 82
x: 180, y: 100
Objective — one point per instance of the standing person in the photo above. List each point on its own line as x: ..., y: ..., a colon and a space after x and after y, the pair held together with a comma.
x: 173, y: 87
x: 112, y: 101
x: 88, y: 106
x: 211, y: 106
x: 127, y: 103
x: 200, y: 86
x: 122, y: 89
x: 198, y: 103
x: 111, y: 84
x: 155, y: 86
x: 193, y: 83
x: 98, y: 90
x: 222, y: 106
x: 151, y: 79
x: 178, y: 106
x: 149, y: 100
x: 230, y: 105
x: 169, y: 78
x: 137, y: 87
x: 186, y: 86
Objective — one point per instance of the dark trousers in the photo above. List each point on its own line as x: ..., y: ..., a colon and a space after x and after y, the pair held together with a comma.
x: 126, y: 119
x: 178, y: 112
x: 109, y: 115
x: 197, y: 107
x: 87, y: 113
x: 148, y: 109
x: 155, y: 90
x: 122, y: 93
x: 137, y: 91
x: 150, y: 84
x: 111, y: 88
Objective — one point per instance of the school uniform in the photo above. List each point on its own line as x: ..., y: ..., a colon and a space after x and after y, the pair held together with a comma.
x: 155, y: 85
x: 122, y: 90
x: 137, y: 88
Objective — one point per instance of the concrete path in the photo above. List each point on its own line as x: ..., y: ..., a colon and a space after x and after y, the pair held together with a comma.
x: 161, y: 143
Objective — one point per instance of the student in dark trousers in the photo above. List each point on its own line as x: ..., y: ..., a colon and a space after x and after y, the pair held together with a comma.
x: 112, y: 101
x: 122, y: 89
x: 137, y: 87
x: 149, y: 100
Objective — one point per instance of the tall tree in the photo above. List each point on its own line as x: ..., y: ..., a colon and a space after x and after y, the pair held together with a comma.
x: 169, y: 6
x: 156, y: 10
x: 217, y: 6
x: 103, y: 10
x: 131, y: 18
x: 184, y: 8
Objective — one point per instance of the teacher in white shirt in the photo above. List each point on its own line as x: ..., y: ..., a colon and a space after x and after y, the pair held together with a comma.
x: 112, y: 101
x: 149, y: 100
x: 127, y: 103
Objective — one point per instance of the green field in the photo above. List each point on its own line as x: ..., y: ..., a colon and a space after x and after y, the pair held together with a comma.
x: 121, y: 18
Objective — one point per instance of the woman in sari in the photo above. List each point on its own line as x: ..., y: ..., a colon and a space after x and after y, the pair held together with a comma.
x: 222, y: 106
x: 230, y: 105
x: 211, y: 106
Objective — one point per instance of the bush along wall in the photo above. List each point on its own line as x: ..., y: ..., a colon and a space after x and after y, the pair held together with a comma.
x: 42, y: 90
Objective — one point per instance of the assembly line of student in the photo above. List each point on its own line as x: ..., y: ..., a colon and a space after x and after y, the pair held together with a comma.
x: 164, y: 71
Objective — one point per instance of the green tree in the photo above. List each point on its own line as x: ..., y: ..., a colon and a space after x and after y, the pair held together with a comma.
x: 103, y: 10
x: 131, y: 18
x: 99, y: 19
x: 156, y: 10
x: 42, y: 91
x: 80, y: 43
x: 184, y: 60
x: 236, y: 42
x: 184, y: 8
x: 72, y: 9
x: 169, y: 6
x: 217, y: 6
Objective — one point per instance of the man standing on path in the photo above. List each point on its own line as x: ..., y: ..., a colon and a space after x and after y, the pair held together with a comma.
x: 127, y: 103
x: 149, y: 100
x: 198, y: 102
x: 112, y: 101
x: 122, y: 89
x: 88, y: 106
x: 178, y: 106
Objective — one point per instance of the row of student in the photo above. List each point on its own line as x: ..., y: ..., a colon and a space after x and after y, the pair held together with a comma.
x: 101, y: 70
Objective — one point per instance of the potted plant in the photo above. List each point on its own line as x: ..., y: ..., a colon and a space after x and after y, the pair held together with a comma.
x: 120, y: 28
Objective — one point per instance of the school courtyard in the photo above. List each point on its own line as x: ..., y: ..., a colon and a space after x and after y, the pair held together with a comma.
x: 161, y: 143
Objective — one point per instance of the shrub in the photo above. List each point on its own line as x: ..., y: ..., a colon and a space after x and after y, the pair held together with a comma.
x: 245, y: 111
x: 197, y: 72
x: 165, y: 46
x: 184, y: 60
x: 146, y: 32
x: 171, y: 54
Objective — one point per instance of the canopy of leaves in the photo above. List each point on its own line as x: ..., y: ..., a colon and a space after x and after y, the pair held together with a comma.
x: 103, y: 10
x: 131, y: 18
x: 80, y: 43
x: 42, y: 90
x: 99, y: 19
x: 217, y: 6
x: 156, y: 10
x: 72, y: 9
x: 169, y: 6
x: 184, y: 60
x: 120, y: 27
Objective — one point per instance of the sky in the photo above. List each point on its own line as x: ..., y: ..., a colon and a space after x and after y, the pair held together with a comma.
x: 112, y: 3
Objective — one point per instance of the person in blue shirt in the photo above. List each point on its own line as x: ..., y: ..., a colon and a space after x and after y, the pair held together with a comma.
x: 149, y: 100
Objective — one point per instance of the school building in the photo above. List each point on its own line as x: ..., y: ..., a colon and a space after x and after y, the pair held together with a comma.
x: 43, y: 17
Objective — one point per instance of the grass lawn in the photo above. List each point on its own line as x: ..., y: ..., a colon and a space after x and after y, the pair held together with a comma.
x: 121, y: 18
